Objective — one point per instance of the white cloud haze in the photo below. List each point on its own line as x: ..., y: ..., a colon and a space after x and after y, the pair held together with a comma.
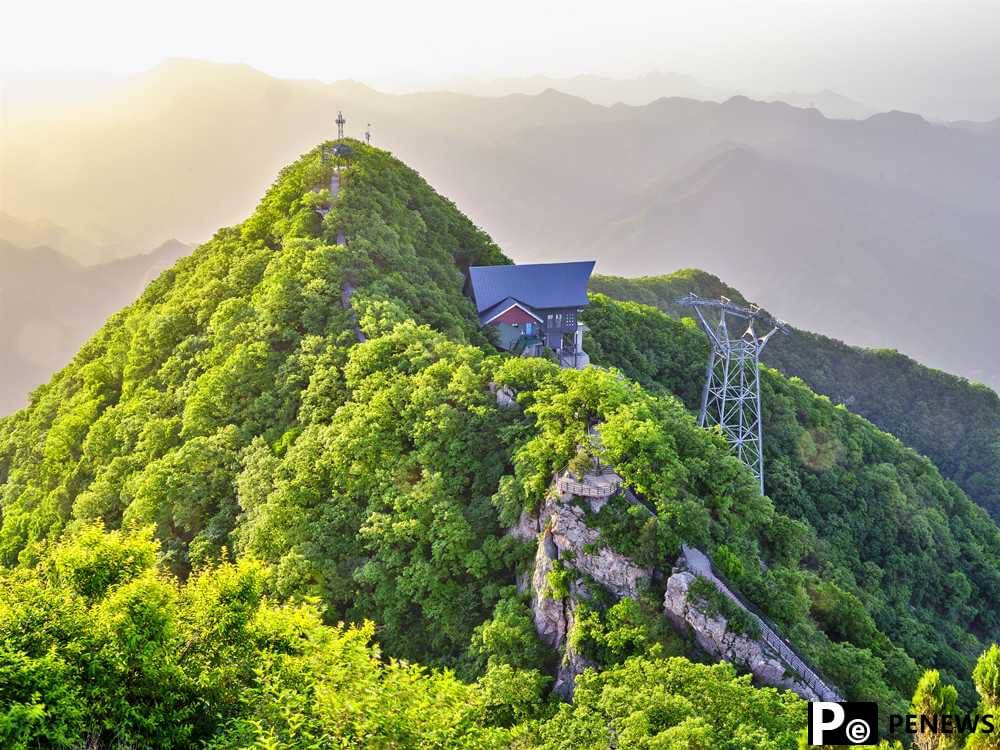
x: 933, y: 56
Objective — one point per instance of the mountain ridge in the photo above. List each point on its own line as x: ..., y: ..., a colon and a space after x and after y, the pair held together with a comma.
x: 51, y: 305
x: 226, y: 450
x: 957, y: 426
x: 743, y: 185
x: 549, y: 171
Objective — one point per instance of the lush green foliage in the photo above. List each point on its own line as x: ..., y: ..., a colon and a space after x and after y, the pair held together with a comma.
x: 954, y: 422
x: 714, y: 602
x: 246, y: 338
x: 384, y: 510
x: 225, y: 472
x: 609, y: 633
x: 100, y: 646
x: 987, y: 679
x: 875, y: 525
x: 228, y: 392
x: 934, y: 698
x: 628, y: 527
x: 699, y: 490
x: 673, y: 704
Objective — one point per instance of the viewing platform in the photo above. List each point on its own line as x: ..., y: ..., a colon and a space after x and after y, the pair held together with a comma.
x: 599, y: 485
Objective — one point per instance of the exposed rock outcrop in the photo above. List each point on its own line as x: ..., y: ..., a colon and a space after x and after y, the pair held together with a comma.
x: 552, y: 618
x: 555, y: 614
x: 564, y: 539
x: 590, y: 556
x: 573, y: 554
x: 505, y: 395
x: 714, y: 636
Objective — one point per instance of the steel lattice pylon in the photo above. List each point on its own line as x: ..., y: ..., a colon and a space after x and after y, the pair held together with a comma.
x: 731, y: 398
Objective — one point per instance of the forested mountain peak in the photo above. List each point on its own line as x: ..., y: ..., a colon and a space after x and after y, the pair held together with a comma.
x: 294, y: 427
x: 203, y: 349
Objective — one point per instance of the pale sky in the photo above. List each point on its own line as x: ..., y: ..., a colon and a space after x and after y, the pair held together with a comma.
x: 937, y: 57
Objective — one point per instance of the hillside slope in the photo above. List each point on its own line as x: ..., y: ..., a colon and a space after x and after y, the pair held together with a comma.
x: 51, y: 305
x: 809, y: 240
x: 952, y: 421
x: 226, y: 470
x: 232, y: 414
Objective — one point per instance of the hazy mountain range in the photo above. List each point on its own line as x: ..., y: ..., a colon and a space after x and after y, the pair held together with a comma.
x: 50, y: 305
x: 647, y: 88
x: 830, y: 103
x: 879, y: 231
x: 47, y: 234
x: 595, y: 88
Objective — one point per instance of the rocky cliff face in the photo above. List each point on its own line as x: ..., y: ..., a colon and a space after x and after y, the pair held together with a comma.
x: 713, y: 635
x: 566, y: 541
x: 563, y: 536
x: 555, y: 615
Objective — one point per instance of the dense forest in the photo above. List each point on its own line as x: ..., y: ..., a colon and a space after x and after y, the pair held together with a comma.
x: 266, y: 506
x: 900, y: 548
x: 952, y: 421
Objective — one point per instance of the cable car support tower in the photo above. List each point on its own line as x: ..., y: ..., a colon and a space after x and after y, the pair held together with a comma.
x: 731, y: 398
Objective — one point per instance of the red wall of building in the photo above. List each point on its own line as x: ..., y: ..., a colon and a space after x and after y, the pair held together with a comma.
x: 514, y: 315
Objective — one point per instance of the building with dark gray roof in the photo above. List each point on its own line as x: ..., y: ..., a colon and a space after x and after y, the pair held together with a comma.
x: 534, y: 306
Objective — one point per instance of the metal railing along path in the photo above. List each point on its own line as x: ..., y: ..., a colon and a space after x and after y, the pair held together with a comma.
x: 700, y: 564
x: 598, y: 488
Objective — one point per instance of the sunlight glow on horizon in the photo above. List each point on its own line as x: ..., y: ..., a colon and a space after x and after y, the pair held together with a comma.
x: 930, y: 54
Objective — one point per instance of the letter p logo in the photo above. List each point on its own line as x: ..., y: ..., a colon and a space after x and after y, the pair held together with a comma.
x: 824, y: 716
x: 849, y: 723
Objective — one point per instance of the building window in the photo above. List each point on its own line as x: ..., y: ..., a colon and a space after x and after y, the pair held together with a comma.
x: 555, y: 320
x: 570, y: 320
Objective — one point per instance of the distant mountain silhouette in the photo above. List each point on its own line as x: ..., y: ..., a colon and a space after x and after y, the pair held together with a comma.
x: 47, y: 233
x: 647, y: 88
x: 597, y: 89
x: 835, y: 252
x: 50, y: 305
x: 832, y: 104
x: 877, y: 231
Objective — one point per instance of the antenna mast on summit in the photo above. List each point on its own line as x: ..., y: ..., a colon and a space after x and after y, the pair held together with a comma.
x: 340, y: 125
x: 731, y: 398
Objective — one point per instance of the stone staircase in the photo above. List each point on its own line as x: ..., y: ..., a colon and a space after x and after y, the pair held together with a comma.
x: 334, y: 192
